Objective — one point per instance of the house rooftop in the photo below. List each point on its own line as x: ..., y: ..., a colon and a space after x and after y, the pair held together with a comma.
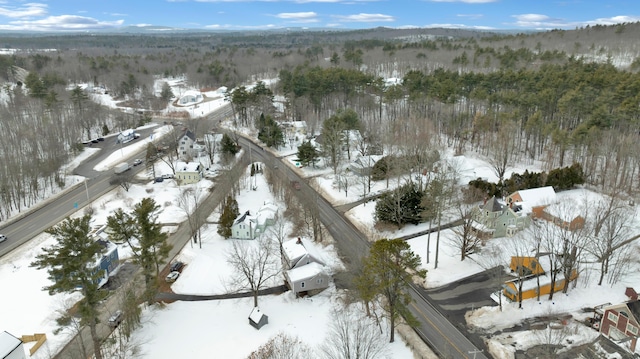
x: 305, y: 271
x: 188, y: 166
x: 538, y: 196
x: 8, y: 343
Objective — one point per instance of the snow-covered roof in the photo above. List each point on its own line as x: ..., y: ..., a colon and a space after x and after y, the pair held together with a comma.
x: 187, y: 166
x: 538, y: 196
x: 191, y: 93
x: 294, y: 250
x: 368, y: 160
x: 256, y: 315
x: 306, y: 271
x: 268, y: 209
x: 8, y: 343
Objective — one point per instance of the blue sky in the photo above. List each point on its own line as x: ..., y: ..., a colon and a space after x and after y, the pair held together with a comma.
x: 83, y: 15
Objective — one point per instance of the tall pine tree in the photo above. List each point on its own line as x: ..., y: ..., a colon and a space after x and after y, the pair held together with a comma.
x: 152, y: 248
x: 229, y: 214
x: 71, y: 267
x: 389, y: 269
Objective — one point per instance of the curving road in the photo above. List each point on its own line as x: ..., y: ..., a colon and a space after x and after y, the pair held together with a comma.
x: 25, y: 226
x: 435, y: 329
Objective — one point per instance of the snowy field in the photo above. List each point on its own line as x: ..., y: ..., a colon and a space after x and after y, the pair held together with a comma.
x: 221, y: 329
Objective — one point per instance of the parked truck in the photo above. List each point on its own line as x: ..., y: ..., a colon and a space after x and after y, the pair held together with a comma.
x: 121, y: 168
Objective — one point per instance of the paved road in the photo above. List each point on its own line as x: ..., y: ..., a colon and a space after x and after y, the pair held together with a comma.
x: 442, y: 336
x: 25, y: 226
x: 178, y: 240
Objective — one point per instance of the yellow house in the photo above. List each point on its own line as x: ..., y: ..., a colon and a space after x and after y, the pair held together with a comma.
x: 530, y: 287
x: 188, y: 172
x: 534, y: 273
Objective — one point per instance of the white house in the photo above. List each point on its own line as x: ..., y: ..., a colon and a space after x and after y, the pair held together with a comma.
x: 189, y: 172
x: 186, y: 143
x: 244, y: 227
x: 248, y: 226
x: 11, y: 347
x: 190, y: 97
x: 127, y: 136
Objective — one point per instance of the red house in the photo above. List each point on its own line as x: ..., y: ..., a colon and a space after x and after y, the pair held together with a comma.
x: 620, y: 323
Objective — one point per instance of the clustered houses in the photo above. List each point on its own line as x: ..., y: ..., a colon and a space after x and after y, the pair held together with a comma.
x: 304, y: 271
x: 248, y: 226
x: 497, y: 219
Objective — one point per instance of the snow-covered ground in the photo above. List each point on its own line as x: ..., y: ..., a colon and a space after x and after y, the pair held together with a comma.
x: 220, y: 328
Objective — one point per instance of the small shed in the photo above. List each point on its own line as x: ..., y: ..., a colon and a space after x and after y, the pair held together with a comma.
x: 257, y: 319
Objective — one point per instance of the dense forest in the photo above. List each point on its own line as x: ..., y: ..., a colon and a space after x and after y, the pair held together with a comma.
x: 556, y: 98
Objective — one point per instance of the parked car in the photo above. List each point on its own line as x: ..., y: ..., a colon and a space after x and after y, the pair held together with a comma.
x: 2, y: 238
x: 158, y: 179
x: 172, y: 277
x: 137, y: 161
x: 115, y: 319
x: 167, y: 175
x: 176, y: 266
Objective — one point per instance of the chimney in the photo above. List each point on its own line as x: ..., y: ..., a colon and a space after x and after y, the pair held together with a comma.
x: 299, y: 241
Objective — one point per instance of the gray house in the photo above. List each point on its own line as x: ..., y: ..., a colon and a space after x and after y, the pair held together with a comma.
x: 304, y: 271
x: 495, y: 219
x: 257, y: 319
x: 308, y: 279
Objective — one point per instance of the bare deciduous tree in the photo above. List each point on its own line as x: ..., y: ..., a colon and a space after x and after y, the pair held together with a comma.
x: 255, y: 264
x: 282, y: 346
x: 353, y: 336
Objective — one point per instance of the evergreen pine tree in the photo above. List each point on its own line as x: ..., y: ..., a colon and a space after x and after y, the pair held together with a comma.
x: 229, y: 214
x: 152, y: 247
x: 71, y: 267
x: 389, y: 269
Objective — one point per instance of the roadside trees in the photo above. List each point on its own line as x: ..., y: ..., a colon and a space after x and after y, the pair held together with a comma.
x: 151, y: 248
x: 391, y: 265
x: 71, y: 267
x: 353, y: 337
x: 307, y: 154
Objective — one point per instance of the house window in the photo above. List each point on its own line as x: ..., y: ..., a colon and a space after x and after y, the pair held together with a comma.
x: 183, y: 142
x: 612, y: 317
x: 302, y: 285
x: 319, y: 281
x: 632, y: 329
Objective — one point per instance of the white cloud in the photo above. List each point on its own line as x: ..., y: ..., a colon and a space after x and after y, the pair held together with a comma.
x: 61, y: 23
x: 296, y: 15
x: 613, y: 20
x: 539, y: 21
x: 365, y: 18
x: 241, y: 27
x: 459, y: 26
x: 29, y: 10
x: 471, y: 16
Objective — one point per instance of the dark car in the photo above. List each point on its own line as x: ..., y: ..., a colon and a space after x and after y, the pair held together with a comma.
x: 176, y: 266
x: 158, y: 179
